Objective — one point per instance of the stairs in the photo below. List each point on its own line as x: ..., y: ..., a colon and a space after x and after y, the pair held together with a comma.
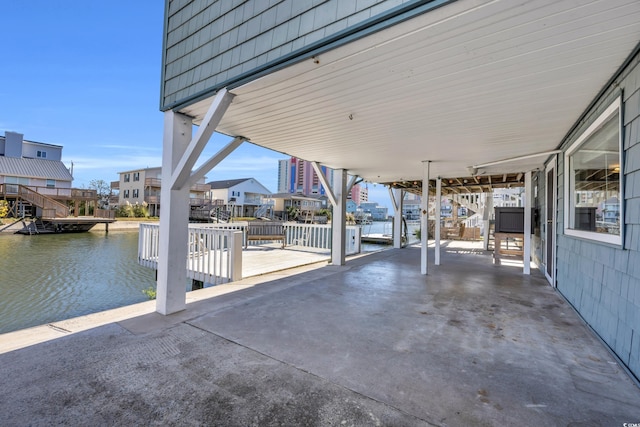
x: 36, y: 227
x: 50, y: 208
x: 261, y: 211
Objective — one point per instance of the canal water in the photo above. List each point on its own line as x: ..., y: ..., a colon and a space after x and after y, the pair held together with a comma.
x: 53, y: 277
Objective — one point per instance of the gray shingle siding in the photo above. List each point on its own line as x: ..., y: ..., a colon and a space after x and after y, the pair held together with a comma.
x: 210, y: 41
x: 603, y: 281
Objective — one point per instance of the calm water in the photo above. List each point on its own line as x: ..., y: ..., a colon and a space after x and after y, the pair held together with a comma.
x: 54, y: 277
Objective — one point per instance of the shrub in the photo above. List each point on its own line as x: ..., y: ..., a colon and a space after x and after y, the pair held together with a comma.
x: 4, y: 208
x: 132, y: 211
x: 150, y: 292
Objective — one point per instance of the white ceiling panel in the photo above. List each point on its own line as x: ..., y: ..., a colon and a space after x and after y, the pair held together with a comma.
x: 469, y: 83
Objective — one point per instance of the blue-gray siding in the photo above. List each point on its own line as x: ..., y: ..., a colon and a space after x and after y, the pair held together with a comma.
x: 603, y: 281
x: 208, y: 42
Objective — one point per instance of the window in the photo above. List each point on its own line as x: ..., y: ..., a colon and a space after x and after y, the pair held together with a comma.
x: 12, y: 183
x: 41, y: 154
x: 127, y: 177
x: 51, y: 183
x: 593, y: 195
x: 136, y: 177
x: 126, y: 194
x: 135, y: 193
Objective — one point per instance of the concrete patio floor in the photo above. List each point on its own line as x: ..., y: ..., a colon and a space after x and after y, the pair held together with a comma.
x: 370, y: 343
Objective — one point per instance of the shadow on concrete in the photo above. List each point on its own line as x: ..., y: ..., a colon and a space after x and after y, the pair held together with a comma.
x: 370, y: 343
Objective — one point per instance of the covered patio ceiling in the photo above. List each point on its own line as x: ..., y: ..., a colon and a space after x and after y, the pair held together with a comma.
x: 469, y: 83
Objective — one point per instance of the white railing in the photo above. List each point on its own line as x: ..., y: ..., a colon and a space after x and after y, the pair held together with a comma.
x: 215, y: 250
x: 319, y: 236
x: 316, y: 236
x: 214, y: 255
x: 474, y: 220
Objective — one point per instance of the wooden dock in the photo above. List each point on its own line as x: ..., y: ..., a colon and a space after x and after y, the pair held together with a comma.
x: 63, y: 225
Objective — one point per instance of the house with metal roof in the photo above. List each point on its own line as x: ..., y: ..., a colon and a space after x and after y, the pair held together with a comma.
x: 28, y: 167
x: 429, y: 96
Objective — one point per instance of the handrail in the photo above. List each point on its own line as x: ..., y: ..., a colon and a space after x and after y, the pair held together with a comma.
x: 104, y: 213
x: 47, y: 204
x: 53, y: 192
x: 157, y: 182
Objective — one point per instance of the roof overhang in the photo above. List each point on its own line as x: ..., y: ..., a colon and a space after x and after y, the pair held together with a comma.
x: 469, y: 83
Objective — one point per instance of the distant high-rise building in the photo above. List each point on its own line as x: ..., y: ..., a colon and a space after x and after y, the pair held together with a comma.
x: 298, y: 177
x: 284, y: 175
x: 364, y: 195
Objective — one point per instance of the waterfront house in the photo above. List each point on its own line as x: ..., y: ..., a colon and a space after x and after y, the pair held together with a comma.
x: 284, y: 204
x: 378, y: 212
x: 35, y: 181
x: 140, y: 186
x: 443, y: 97
x: 240, y: 197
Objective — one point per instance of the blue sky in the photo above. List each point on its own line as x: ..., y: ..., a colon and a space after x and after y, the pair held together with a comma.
x: 85, y: 74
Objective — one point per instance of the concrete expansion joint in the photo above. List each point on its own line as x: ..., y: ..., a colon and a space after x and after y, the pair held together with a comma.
x: 316, y: 376
x: 58, y: 328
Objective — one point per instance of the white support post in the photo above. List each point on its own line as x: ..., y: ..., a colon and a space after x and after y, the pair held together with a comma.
x: 236, y: 267
x: 179, y: 154
x: 424, y: 218
x: 438, y: 210
x: 338, y: 219
x: 174, y: 218
x: 396, y: 195
x: 528, y: 200
x: 337, y: 195
x: 486, y: 217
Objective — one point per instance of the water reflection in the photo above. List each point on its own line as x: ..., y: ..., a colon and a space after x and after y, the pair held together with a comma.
x: 49, y: 278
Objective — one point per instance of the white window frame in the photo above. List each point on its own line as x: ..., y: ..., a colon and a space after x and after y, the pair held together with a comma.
x: 615, y: 107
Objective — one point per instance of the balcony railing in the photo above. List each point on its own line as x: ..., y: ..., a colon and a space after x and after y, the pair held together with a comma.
x: 152, y: 200
x: 54, y: 192
x: 152, y: 182
x: 157, y: 183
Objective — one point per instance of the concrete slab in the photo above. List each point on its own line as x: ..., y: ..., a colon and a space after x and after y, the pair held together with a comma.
x: 369, y: 343
x: 268, y: 258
